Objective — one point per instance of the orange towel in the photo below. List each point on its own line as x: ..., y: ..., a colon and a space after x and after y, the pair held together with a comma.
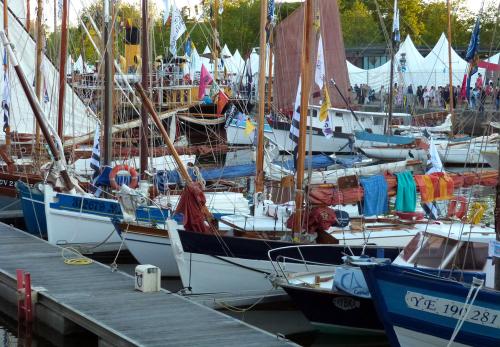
x: 445, y: 186
x: 426, y: 187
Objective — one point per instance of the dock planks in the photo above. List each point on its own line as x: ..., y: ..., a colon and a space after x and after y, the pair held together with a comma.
x: 106, y: 303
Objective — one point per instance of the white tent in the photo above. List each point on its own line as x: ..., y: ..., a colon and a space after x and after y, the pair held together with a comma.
x: 437, y: 69
x: 432, y: 70
x: 77, y: 122
x: 237, y: 63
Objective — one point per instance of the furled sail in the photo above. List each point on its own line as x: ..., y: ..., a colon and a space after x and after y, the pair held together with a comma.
x: 77, y: 121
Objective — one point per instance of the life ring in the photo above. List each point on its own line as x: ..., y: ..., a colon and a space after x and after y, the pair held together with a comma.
x: 410, y: 215
x: 134, y: 177
x: 452, y: 207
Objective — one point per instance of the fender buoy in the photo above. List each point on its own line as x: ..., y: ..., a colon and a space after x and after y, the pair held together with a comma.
x: 410, y: 215
x: 134, y: 177
x: 452, y: 207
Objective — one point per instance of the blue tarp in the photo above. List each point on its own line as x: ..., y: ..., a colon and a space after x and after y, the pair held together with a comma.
x: 164, y: 178
x: 394, y: 139
x: 321, y: 161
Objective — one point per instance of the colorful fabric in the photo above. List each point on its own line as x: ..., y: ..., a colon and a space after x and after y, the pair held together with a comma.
x: 205, y: 80
x: 425, y: 187
x: 445, y: 186
x: 375, y: 200
x: 406, y: 196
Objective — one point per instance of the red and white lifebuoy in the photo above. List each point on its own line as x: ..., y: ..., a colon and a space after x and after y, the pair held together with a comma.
x: 452, y: 207
x: 134, y: 177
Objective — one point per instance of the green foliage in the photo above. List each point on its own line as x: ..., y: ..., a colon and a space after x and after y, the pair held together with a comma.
x: 238, y: 26
x: 359, y: 26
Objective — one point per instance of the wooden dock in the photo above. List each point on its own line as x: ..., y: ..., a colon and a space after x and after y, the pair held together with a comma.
x: 106, y: 304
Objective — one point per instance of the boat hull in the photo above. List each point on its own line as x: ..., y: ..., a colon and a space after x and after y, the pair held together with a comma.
x: 334, y: 311
x: 32, y: 203
x: 216, y: 263
x: 423, y: 310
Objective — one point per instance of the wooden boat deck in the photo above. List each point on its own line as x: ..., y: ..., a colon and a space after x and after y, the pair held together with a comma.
x: 106, y: 304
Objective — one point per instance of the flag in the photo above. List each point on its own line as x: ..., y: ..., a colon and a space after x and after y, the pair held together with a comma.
x: 270, y: 18
x: 463, y: 90
x: 395, y: 23
x: 221, y: 7
x: 221, y: 101
x: 323, y: 111
x: 320, y: 71
x: 59, y: 8
x: 205, y: 80
x: 166, y: 14
x: 6, y: 94
x: 294, y: 128
x: 188, y: 46
x: 177, y: 28
x: 327, y: 127
x: 249, y: 127
x: 95, y: 159
x: 249, y: 76
x: 471, y: 56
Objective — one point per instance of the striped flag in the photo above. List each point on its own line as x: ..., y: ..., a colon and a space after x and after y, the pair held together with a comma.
x: 294, y: 128
x: 395, y: 23
x: 6, y: 94
x: 95, y: 159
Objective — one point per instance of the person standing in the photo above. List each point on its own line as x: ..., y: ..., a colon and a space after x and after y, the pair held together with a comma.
x: 426, y: 97
x: 497, y: 99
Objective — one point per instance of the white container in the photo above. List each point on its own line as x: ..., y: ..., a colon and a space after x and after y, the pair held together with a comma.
x: 147, y: 278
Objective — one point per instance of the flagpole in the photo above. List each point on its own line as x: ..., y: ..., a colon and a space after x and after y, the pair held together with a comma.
x: 108, y: 84
x: 450, y: 76
x: 6, y: 68
x: 38, y: 65
x: 391, y: 79
x: 216, y: 38
x: 304, y: 106
x: 62, y: 69
x: 259, y: 172
x: 144, y: 130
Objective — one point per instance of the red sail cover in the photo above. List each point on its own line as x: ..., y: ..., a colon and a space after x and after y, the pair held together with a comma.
x: 287, y: 56
x: 191, y: 202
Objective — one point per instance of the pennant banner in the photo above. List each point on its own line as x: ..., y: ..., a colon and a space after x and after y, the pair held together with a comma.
x: 205, y: 80
x: 320, y: 72
x: 294, y: 128
x: 176, y: 30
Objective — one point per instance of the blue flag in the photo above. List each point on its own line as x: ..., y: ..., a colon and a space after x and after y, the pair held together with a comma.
x: 187, y: 47
x: 471, y: 56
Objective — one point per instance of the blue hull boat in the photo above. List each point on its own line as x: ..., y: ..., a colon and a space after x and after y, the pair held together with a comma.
x: 32, y: 204
x: 420, y: 309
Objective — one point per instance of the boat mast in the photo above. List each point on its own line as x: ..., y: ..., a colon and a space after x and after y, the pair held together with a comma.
x: 449, y: 62
x: 270, y: 73
x: 497, y: 229
x: 216, y: 38
x: 391, y: 78
x: 144, y: 130
x: 40, y: 118
x: 304, y: 106
x: 38, y: 64
x: 28, y: 15
x: 108, y: 85
x: 154, y: 116
x: 6, y: 67
x: 259, y: 172
x: 62, y: 69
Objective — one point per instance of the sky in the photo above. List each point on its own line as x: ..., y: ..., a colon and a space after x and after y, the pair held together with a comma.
x: 77, y: 5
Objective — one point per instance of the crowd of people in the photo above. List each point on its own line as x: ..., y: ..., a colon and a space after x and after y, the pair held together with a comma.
x: 431, y: 97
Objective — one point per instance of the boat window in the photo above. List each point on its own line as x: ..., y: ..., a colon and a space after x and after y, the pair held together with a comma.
x: 362, y: 119
x: 471, y: 256
x: 434, y: 251
x: 378, y: 120
x: 339, y: 114
x: 315, y: 113
x: 338, y: 129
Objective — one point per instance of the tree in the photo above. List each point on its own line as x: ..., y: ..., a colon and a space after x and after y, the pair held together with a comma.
x: 358, y: 25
